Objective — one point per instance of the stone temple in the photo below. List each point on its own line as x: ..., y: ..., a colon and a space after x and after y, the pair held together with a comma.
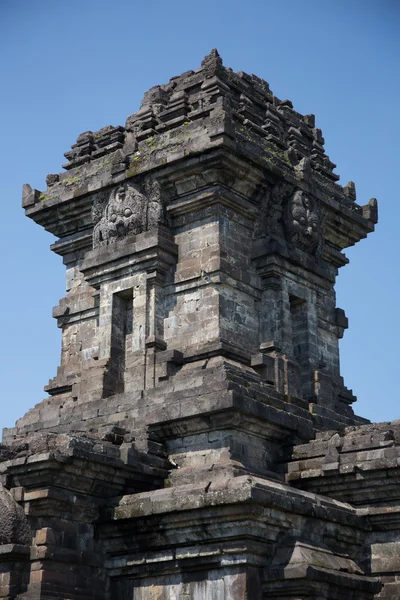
x: 198, y: 441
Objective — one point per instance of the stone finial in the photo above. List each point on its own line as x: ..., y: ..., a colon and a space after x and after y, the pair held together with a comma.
x: 52, y: 179
x: 212, y: 64
x: 29, y: 195
x: 370, y: 210
x: 84, y: 138
x: 310, y: 120
x: 156, y: 95
x: 303, y: 169
x: 350, y: 190
x: 286, y: 103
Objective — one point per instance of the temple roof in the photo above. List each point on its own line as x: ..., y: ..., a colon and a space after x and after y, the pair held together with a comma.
x: 247, y: 99
x: 200, y: 113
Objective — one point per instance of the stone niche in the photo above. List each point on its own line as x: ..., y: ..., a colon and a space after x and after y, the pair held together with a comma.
x: 198, y: 440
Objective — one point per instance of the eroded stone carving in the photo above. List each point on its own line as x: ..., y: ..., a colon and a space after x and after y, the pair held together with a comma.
x: 14, y: 528
x: 270, y: 222
x: 98, y: 206
x: 303, y: 222
x: 155, y: 207
x: 131, y: 209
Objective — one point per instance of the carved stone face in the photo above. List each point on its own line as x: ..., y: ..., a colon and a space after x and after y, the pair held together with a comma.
x: 125, y: 212
x: 304, y: 222
x: 131, y: 208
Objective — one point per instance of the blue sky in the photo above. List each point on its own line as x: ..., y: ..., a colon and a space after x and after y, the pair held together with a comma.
x: 68, y: 67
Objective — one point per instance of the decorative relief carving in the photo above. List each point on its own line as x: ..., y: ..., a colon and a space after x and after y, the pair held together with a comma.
x: 155, y: 205
x: 290, y: 216
x: 272, y: 205
x: 131, y: 208
x: 14, y: 528
x: 99, y: 204
x: 303, y: 222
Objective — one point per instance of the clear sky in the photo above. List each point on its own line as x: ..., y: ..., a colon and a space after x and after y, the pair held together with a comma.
x: 68, y: 67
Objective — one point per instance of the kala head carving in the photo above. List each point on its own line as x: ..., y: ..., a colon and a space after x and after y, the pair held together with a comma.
x: 130, y: 209
x: 304, y: 222
x: 124, y: 214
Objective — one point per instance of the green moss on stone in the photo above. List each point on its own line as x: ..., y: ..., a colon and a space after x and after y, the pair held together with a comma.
x: 43, y: 198
x: 70, y: 180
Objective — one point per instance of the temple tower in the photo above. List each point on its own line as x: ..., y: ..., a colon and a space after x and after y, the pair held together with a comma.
x: 200, y: 358
x: 211, y: 225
